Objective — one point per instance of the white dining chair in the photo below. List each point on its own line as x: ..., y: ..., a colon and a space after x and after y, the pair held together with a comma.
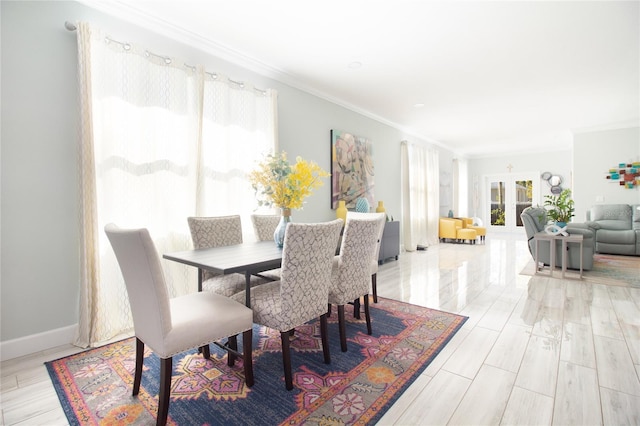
x: 217, y: 231
x: 351, y: 274
x: 264, y: 225
x: 171, y: 326
x: 302, y: 292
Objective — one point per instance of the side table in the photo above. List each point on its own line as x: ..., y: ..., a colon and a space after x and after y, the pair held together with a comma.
x: 551, y: 238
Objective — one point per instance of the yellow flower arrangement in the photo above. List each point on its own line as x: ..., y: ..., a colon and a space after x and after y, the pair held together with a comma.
x: 277, y: 182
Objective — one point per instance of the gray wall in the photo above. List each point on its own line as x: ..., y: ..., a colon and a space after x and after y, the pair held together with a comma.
x: 594, y: 153
x: 40, y: 275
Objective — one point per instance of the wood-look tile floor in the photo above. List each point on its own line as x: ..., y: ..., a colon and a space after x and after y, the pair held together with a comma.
x: 535, y: 350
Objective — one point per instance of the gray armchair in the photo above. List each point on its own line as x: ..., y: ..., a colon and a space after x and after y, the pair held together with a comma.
x: 535, y: 219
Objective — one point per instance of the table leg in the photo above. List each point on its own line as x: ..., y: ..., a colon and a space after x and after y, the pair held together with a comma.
x: 580, y: 259
x: 564, y: 257
x: 552, y: 250
x: 200, y: 274
x: 536, y: 257
x: 247, y: 292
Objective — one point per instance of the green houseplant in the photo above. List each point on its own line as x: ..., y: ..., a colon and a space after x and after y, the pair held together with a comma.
x: 560, y: 208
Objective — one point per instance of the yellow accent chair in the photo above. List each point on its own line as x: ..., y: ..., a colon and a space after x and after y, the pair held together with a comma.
x: 448, y: 229
x: 454, y: 229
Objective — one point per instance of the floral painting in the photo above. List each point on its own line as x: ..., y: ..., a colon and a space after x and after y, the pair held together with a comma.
x: 352, y: 170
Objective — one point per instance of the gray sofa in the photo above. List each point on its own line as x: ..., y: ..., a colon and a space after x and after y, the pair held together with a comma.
x: 616, y: 227
x: 535, y: 219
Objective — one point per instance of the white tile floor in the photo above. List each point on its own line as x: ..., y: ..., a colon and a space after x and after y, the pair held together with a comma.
x: 535, y: 350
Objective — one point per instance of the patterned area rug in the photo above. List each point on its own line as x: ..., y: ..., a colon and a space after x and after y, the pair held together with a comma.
x: 359, y: 386
x: 608, y: 269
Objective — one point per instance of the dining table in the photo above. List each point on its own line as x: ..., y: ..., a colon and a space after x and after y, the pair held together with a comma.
x: 249, y: 258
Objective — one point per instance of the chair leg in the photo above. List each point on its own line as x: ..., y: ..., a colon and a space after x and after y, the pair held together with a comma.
x: 206, y: 353
x: 165, y: 389
x: 374, y: 287
x: 286, y: 359
x: 233, y: 344
x: 342, y: 328
x: 324, y: 335
x: 356, y: 308
x: 247, y: 356
x: 366, y: 314
x: 137, y: 374
x: 329, y: 310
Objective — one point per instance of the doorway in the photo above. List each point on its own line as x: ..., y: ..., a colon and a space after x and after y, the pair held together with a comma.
x: 508, y: 195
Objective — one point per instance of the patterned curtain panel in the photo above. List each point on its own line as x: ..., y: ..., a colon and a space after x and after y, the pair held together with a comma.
x: 420, y: 195
x: 160, y: 142
x: 238, y: 129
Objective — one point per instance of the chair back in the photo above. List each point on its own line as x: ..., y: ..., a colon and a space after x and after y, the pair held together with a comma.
x: 611, y: 216
x: 354, y: 262
x: 534, y: 220
x: 307, y: 256
x: 217, y: 231
x: 382, y: 217
x: 264, y: 226
x: 144, y: 279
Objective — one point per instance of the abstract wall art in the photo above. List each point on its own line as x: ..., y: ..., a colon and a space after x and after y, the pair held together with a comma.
x: 352, y: 171
x: 626, y: 175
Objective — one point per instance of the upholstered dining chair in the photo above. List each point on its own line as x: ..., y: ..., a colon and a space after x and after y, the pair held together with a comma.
x: 171, y: 326
x: 374, y: 263
x: 264, y: 226
x: 301, y: 294
x: 351, y: 272
x: 207, y: 232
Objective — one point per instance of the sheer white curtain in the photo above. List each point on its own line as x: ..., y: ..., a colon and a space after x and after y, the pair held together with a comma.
x: 420, y: 195
x: 149, y: 158
x: 236, y: 134
x: 460, y: 187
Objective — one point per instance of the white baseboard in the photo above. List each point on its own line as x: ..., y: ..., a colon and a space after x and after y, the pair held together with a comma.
x: 37, y: 342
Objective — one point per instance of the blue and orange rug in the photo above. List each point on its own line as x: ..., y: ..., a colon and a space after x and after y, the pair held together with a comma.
x: 359, y: 386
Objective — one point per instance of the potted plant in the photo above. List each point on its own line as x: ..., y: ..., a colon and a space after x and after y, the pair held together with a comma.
x: 560, y: 207
x: 285, y: 185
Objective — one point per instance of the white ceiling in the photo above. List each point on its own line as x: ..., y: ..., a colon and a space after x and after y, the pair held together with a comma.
x: 493, y: 77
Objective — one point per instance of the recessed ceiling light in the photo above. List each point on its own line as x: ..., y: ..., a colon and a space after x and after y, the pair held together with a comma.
x: 355, y: 65
x: 418, y: 105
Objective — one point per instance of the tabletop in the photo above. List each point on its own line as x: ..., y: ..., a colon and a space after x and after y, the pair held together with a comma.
x: 246, y: 257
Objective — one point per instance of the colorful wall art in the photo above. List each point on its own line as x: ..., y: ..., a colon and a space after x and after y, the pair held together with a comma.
x: 352, y: 170
x: 626, y: 175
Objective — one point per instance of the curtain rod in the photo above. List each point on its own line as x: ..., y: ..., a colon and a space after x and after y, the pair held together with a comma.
x: 70, y: 26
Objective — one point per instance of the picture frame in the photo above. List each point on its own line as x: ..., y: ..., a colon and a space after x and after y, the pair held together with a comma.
x: 352, y: 169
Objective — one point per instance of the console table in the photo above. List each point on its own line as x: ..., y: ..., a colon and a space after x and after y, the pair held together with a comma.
x: 390, y: 244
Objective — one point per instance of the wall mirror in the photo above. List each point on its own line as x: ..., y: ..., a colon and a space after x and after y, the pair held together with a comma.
x: 555, y: 180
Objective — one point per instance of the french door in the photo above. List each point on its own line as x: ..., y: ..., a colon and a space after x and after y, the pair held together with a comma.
x: 507, y: 196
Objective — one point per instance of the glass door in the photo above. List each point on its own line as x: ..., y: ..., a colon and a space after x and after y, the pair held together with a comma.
x: 509, y: 194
